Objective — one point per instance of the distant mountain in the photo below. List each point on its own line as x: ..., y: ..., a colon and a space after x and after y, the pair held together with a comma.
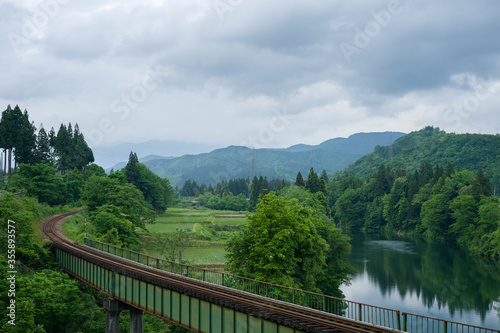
x: 242, y: 162
x: 109, y: 157
x: 467, y: 151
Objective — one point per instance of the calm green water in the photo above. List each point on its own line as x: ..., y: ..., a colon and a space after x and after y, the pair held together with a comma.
x: 434, y: 280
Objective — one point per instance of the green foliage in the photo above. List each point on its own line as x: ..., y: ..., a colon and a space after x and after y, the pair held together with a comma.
x: 440, y: 204
x: 350, y: 209
x: 287, y: 243
x: 58, y: 302
x: 42, y: 182
x: 226, y: 202
x: 433, y: 146
x: 157, y: 191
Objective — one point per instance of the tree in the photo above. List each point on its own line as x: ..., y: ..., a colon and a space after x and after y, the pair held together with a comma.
x: 299, y: 181
x: 325, y: 176
x: 436, y: 217
x: 57, y: 298
x: 42, y: 147
x: 131, y: 171
x: 63, y: 149
x: 481, y: 186
x: 10, y: 125
x: 312, y: 182
x: 42, y: 182
x: 280, y: 244
x: 99, y: 191
x: 82, y: 155
x: 25, y: 147
x: 288, y: 243
x: 350, y: 209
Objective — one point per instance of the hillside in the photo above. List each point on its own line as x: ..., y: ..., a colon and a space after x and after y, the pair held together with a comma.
x: 467, y: 151
x: 236, y: 161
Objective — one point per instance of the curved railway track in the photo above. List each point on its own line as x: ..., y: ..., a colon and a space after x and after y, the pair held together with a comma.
x: 302, y: 318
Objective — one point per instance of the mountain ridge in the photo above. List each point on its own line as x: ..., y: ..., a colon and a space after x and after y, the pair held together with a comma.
x: 242, y: 162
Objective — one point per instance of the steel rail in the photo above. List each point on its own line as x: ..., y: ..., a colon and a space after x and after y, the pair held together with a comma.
x: 292, y: 315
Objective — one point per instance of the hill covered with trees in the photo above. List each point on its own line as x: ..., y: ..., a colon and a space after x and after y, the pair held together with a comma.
x: 434, y: 146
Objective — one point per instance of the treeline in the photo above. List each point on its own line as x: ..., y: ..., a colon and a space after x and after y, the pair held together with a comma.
x: 235, y: 194
x: 19, y: 138
x: 440, y: 203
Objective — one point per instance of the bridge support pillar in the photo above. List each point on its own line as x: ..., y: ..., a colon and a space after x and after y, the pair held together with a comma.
x: 113, y: 309
x: 135, y: 320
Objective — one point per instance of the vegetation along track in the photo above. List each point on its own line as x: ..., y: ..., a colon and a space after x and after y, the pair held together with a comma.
x: 302, y: 318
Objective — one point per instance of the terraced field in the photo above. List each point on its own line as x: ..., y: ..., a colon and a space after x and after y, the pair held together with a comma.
x: 209, y: 230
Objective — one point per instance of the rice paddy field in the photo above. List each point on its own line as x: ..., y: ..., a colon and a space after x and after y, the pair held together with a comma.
x: 206, y: 252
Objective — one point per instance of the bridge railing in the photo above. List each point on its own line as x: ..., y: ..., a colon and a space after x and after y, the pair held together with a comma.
x: 375, y: 315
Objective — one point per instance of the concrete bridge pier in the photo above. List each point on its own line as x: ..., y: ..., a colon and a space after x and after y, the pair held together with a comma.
x: 113, y: 308
x: 135, y: 320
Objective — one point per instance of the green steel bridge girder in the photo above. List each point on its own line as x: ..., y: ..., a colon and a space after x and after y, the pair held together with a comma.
x: 185, y: 310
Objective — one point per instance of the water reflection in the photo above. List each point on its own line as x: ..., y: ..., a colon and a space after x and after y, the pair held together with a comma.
x: 436, y: 280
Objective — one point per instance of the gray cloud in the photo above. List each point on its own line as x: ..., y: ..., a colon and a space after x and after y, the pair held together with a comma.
x: 336, y: 67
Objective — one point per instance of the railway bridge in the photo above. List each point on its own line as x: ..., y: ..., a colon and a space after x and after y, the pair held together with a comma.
x: 206, y: 301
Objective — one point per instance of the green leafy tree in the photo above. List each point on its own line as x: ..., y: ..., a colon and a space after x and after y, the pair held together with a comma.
x: 42, y: 182
x: 280, y: 244
x: 58, y: 302
x: 99, y: 191
x: 350, y: 209
x: 436, y: 217
x: 465, y: 213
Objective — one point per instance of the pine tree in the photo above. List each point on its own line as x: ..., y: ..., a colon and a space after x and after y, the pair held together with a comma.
x: 131, y: 170
x: 82, y: 154
x: 255, y: 191
x: 481, y: 186
x: 325, y: 176
x: 312, y: 182
x: 10, y: 125
x: 322, y: 186
x: 25, y: 147
x: 42, y: 146
x: 299, y: 181
x: 63, y: 148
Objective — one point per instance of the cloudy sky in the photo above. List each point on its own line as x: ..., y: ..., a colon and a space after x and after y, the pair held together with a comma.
x: 251, y: 72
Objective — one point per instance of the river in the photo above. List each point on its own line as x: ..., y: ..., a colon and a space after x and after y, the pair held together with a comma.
x: 435, y: 280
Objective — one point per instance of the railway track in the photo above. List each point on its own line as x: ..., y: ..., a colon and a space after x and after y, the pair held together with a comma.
x: 302, y: 318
